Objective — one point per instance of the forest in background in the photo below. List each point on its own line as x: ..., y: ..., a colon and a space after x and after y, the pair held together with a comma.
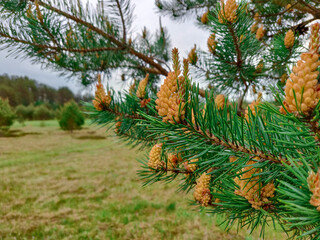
x: 31, y: 100
x: 25, y: 91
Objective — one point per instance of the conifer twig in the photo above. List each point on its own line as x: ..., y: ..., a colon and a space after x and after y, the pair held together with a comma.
x: 120, y: 44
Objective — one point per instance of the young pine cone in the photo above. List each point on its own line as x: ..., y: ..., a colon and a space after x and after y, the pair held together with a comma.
x: 314, y: 38
x: 279, y: 21
x: 155, y: 157
x: 102, y: 100
x: 170, y: 100
x: 289, y: 39
x: 202, y: 192
x: 192, y: 57
x: 117, y: 125
x: 144, y: 102
x: 212, y: 43
x: 141, y: 91
x: 259, y: 67
x: 172, y: 161
x: 289, y: 8
x: 204, y: 18
x: 260, y: 33
x: 228, y: 12
x: 303, y: 78
x: 191, y: 166
x: 254, y: 90
x: 250, y: 188
x: 314, y: 187
x: 253, y: 106
x: 220, y: 101
x: 257, y: 17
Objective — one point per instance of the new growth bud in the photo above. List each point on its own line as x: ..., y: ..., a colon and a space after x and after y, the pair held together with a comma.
x: 250, y: 186
x: 315, y: 38
x: 228, y: 11
x: 117, y: 125
x: 202, y: 192
x: 314, y: 187
x: 253, y: 106
x: 170, y: 102
x: 289, y: 39
x: 141, y: 91
x: 191, y: 166
x: 301, y: 90
x: 102, y: 100
x: 212, y: 43
x: 260, y: 33
x: 173, y: 161
x: 192, y: 57
x: 155, y: 157
x: 204, y: 18
x: 220, y: 101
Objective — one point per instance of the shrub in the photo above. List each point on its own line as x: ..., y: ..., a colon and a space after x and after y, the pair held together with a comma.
x: 24, y: 112
x: 42, y: 113
x: 71, y: 117
x: 6, y: 114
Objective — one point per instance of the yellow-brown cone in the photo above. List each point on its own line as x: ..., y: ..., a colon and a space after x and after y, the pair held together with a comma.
x: 279, y: 21
x: 202, y: 192
x: 253, y: 106
x: 314, y: 187
x: 170, y: 102
x: 304, y: 84
x: 204, y: 18
x: 191, y: 166
x: 192, y: 57
x: 220, y: 101
x: 250, y: 188
x: 212, y: 43
x: 289, y: 39
x: 172, y: 161
x: 141, y: 91
x: 101, y: 101
x: 117, y: 125
x: 314, y: 38
x: 228, y: 12
x: 260, y: 33
x: 155, y: 162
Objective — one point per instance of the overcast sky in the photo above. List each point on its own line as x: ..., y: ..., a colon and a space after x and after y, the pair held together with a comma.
x: 183, y: 35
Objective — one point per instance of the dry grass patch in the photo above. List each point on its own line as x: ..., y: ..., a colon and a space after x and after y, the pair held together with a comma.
x: 54, y: 185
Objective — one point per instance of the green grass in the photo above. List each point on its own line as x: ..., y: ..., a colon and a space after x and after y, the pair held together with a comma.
x: 57, y: 185
x: 38, y: 123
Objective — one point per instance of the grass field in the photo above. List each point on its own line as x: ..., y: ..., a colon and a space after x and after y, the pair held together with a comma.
x: 57, y: 185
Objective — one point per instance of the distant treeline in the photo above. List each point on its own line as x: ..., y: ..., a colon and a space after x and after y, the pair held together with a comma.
x: 25, y: 91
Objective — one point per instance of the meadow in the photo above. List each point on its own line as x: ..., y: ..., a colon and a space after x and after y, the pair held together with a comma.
x: 84, y: 185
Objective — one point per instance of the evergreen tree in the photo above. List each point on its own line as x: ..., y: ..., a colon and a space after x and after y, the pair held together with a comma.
x: 42, y: 112
x: 24, y: 112
x: 256, y: 166
x: 71, y: 117
x: 6, y: 114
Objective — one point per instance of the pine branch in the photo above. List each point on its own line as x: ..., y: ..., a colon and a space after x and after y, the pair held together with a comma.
x: 106, y: 35
x: 123, y: 21
x: 58, y: 49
